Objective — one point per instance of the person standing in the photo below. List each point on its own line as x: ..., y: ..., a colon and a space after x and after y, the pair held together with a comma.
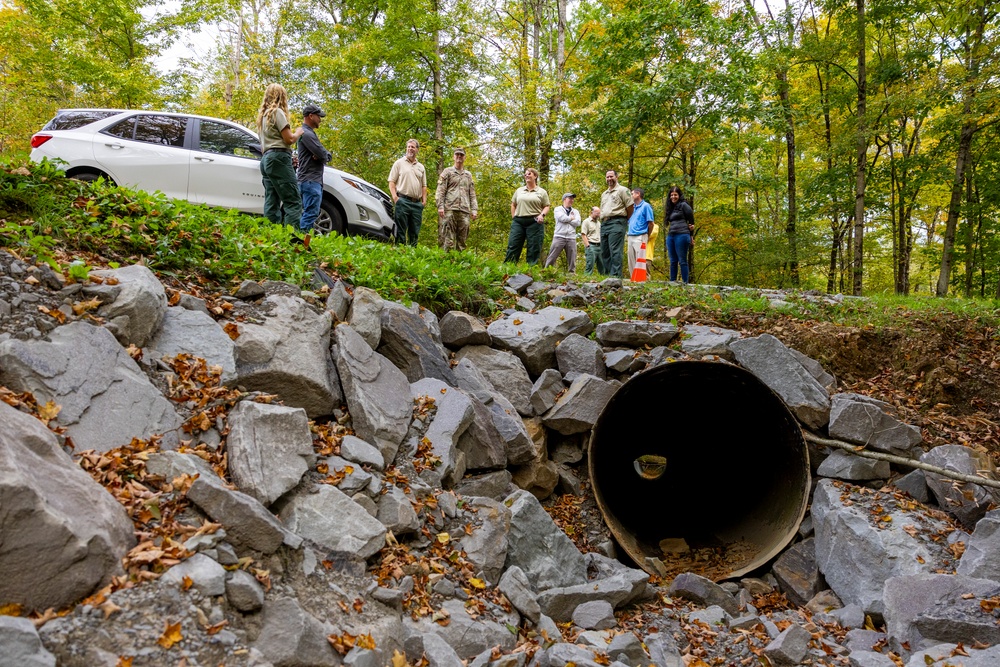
x: 408, y: 187
x: 282, y: 202
x: 564, y: 236
x: 528, y: 207
x: 680, y: 226
x: 456, y: 202
x: 640, y: 225
x: 591, y: 233
x: 312, y: 160
x: 616, y: 209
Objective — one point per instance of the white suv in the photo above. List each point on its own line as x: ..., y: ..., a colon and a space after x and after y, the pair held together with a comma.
x: 200, y: 159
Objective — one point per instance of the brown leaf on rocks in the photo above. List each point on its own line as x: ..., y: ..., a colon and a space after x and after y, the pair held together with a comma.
x: 81, y: 307
x: 214, y: 629
x: 124, y: 661
x: 58, y: 315
x: 186, y: 583
x: 48, y: 412
x: 11, y: 609
x: 232, y: 330
x: 109, y: 608
x: 171, y: 635
x: 31, y: 280
x: 342, y: 644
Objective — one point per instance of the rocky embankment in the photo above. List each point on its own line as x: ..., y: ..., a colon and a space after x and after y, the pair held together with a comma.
x: 287, y: 478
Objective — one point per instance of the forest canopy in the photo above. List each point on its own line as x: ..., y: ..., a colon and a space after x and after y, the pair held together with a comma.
x: 844, y: 147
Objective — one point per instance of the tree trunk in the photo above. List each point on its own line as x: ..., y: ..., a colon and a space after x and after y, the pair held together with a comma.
x: 437, y: 104
x: 862, y: 152
x: 790, y: 234
x: 555, y: 102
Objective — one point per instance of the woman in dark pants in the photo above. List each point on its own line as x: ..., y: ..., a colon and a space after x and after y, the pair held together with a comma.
x: 680, y: 225
x: 528, y: 207
x: 282, y: 201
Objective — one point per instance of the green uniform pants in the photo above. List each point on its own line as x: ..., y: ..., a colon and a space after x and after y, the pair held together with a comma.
x: 525, y: 228
x: 613, y: 245
x: 408, y: 215
x: 282, y: 201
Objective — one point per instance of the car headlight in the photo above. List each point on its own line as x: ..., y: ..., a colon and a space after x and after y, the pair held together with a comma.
x: 364, y: 187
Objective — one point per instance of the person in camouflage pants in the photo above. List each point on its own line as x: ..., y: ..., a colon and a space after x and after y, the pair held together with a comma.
x: 456, y: 202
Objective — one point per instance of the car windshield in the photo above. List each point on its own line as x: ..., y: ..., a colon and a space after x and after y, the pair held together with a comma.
x: 70, y: 120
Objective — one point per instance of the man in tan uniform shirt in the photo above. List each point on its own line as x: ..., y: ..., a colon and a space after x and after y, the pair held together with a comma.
x: 408, y: 187
x: 456, y: 202
x: 616, y: 209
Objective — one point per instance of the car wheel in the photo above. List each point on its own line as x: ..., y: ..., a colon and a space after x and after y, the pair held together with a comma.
x: 91, y: 176
x: 330, y: 219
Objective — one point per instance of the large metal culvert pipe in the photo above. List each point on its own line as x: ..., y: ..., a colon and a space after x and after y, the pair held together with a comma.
x: 698, y: 466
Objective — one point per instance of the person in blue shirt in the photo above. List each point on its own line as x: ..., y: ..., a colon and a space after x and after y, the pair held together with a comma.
x: 640, y: 224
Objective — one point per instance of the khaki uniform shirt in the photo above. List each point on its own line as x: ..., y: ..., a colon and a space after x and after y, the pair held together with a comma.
x: 529, y: 202
x: 456, y: 191
x: 592, y: 230
x: 270, y: 131
x: 410, y: 178
x: 615, y: 202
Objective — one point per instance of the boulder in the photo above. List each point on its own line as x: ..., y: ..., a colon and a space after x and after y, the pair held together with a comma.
x: 635, y: 333
x: 533, y: 336
x: 396, y: 513
x: 197, y: 334
x: 790, y: 647
x: 105, y: 400
x: 354, y: 478
x: 700, y: 341
x: 539, y: 478
x: 365, y: 316
x: 467, y: 636
x: 63, y: 535
x: 844, y: 465
x: 243, y: 592
x: 577, y: 410
x: 494, y: 485
x: 539, y: 547
x: 505, y: 373
x: 376, y: 392
x: 138, y: 309
x: 866, y: 421
x: 439, y: 653
x: 408, y: 343
x: 857, y: 552
x: 206, y: 576
x: 580, y: 355
x: 915, y: 484
x: 328, y: 517
x: 982, y: 550
x: 339, y: 302
x: 767, y: 357
x: 546, y: 390
x: 816, y: 369
x: 515, y: 586
x: 289, y: 355
x: 617, y: 590
x: 619, y: 361
x: 21, y: 645
x: 945, y: 655
x: 486, y: 547
x: 292, y: 637
x: 270, y: 449
x: 453, y: 416
x: 482, y: 443
x: 797, y: 573
x: 967, y: 501
x: 595, y: 615
x: 705, y: 592
x: 517, y: 441
x: 459, y: 329
x: 248, y: 524
x: 356, y: 450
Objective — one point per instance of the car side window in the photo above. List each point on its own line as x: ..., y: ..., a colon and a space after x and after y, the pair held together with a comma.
x: 124, y: 129
x: 162, y: 130
x: 70, y: 120
x: 226, y: 140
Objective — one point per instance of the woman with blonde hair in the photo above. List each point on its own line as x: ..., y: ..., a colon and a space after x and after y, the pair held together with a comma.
x: 281, y: 187
x: 528, y: 207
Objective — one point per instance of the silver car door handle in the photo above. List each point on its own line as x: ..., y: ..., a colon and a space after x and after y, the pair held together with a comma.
x: 205, y: 159
x: 115, y: 146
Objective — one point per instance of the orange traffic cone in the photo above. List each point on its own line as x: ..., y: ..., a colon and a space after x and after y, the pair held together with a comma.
x: 639, y: 272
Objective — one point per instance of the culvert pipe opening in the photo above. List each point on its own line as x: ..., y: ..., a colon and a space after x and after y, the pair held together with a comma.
x: 698, y: 466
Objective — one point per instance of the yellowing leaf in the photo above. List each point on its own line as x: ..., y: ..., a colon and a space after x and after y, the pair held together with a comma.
x: 48, y: 412
x: 398, y: 659
x: 443, y: 538
x: 11, y: 609
x: 171, y: 635
x: 477, y: 583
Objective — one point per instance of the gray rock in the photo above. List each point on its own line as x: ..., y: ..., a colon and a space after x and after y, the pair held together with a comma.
x: 207, y: 577
x: 292, y: 637
x: 495, y: 485
x: 363, y: 657
x: 515, y: 586
x: 396, y: 512
x: 619, y: 361
x: 635, y: 333
x: 377, y: 393
x: 354, y: 479
x: 705, y: 592
x: 618, y: 590
x: 243, y: 592
x: 982, y: 550
x: 249, y: 290
x: 505, y: 373
x: 195, y: 333
x: 947, y: 656
x: 815, y: 369
x: 486, y: 547
x: 577, y: 410
x: 663, y: 650
x: 453, y: 416
x: 546, y: 389
x: 332, y: 520
x: 519, y: 282
x: 926, y: 609
x: 105, y: 399
x: 339, y: 301
x: 866, y: 421
x: 857, y: 557
x: 533, y: 336
x: 21, y: 644
x: 270, y: 449
x: 358, y: 451
x: 844, y: 465
x: 767, y: 357
x: 628, y: 645
x: 539, y: 478
x: 870, y: 659
x: 915, y: 484
x: 510, y: 427
x: 595, y: 615
x: 714, y: 617
x: 439, y: 653
x: 482, y: 443
x: 790, y: 647
x: 967, y: 501
x: 572, y: 654
x: 63, y: 535
x: 852, y: 616
x: 408, y: 343
x: 365, y: 316
x: 247, y: 522
x: 467, y: 636
x: 139, y: 306
x: 289, y: 355
x: 863, y: 640
x: 581, y: 355
x: 189, y: 302
x: 745, y: 622
x: 538, y: 546
x: 459, y: 329
x: 170, y: 465
x: 699, y: 341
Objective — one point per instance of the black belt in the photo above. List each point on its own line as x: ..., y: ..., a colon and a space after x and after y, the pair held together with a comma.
x: 280, y: 150
x: 414, y: 199
x: 614, y: 217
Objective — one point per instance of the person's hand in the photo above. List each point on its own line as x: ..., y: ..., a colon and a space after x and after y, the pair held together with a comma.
x: 473, y: 216
x: 440, y: 212
x: 295, y: 160
x: 540, y: 219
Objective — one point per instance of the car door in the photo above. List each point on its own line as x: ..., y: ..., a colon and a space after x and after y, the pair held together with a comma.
x: 225, y: 169
x: 146, y: 151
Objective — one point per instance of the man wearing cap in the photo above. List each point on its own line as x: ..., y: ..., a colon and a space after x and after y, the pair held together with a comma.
x: 640, y: 225
x: 590, y: 232
x: 312, y: 158
x: 408, y: 187
x: 564, y: 236
x: 616, y: 209
x: 456, y: 204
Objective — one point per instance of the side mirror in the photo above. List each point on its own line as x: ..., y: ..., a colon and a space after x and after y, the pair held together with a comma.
x: 255, y: 149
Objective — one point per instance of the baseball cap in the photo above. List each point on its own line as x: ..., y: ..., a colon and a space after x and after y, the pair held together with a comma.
x: 568, y: 194
x: 459, y: 151
x: 312, y: 108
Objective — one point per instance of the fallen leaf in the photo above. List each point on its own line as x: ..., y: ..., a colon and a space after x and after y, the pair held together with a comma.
x: 214, y: 629
x: 11, y: 609
x: 186, y: 583
x: 48, y: 412
x: 124, y: 661
x: 109, y: 608
x: 171, y: 635
x: 232, y: 330
x: 81, y: 307
x: 398, y: 659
